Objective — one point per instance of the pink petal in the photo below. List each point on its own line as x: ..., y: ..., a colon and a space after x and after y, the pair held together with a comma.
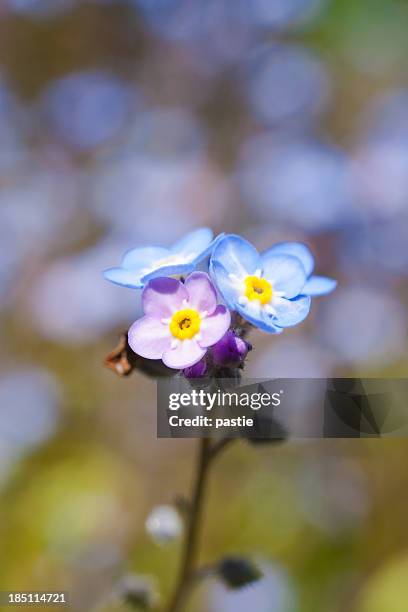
x: 187, y: 353
x: 201, y: 291
x: 214, y: 327
x: 162, y: 297
x: 149, y: 338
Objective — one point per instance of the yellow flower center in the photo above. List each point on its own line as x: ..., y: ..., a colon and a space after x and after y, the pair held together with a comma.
x: 185, y: 324
x: 258, y: 289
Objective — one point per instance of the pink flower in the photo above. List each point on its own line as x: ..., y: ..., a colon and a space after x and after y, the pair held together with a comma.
x: 181, y: 320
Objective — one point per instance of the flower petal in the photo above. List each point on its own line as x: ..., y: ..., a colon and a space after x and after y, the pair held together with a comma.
x: 291, y: 312
x: 123, y: 277
x: 319, y: 285
x: 162, y: 297
x: 194, y: 243
x: 186, y: 354
x: 134, y: 264
x: 285, y: 272
x: 214, y: 327
x: 181, y: 269
x: 297, y: 249
x: 210, y: 248
x: 144, y: 257
x: 201, y: 292
x: 149, y: 338
x: 228, y: 289
x: 262, y: 320
x: 237, y: 256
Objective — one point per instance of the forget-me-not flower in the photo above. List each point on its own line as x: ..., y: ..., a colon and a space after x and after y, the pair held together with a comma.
x: 315, y: 285
x: 270, y: 290
x: 182, y: 320
x: 143, y: 264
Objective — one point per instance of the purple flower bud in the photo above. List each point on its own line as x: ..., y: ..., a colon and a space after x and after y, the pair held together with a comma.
x: 198, y: 370
x: 230, y: 350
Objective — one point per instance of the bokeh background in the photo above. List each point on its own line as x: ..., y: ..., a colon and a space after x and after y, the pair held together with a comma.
x: 125, y: 123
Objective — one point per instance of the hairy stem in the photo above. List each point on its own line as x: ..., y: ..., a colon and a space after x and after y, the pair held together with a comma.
x: 188, y: 560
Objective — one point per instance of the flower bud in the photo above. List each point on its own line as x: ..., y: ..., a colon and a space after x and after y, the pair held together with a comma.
x: 138, y: 591
x: 198, y: 370
x: 230, y: 350
x: 237, y: 572
x: 164, y: 524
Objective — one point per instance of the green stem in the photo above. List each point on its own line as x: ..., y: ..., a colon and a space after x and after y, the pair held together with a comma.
x: 188, y: 561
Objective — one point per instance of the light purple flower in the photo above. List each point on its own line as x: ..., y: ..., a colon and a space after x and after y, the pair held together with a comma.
x: 182, y: 320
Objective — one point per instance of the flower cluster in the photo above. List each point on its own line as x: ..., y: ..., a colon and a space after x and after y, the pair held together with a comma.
x: 200, y: 295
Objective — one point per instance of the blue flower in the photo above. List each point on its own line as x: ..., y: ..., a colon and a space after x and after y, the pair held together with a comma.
x: 272, y: 290
x: 142, y: 264
x: 315, y: 285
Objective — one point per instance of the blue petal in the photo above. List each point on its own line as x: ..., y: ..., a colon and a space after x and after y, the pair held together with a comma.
x: 194, y: 243
x: 292, y: 312
x: 285, y: 272
x: 143, y: 257
x: 297, y: 249
x: 264, y: 321
x: 237, y: 256
x: 123, y: 277
x: 230, y: 294
x: 179, y: 270
x: 224, y: 284
x: 319, y: 285
x: 208, y: 250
